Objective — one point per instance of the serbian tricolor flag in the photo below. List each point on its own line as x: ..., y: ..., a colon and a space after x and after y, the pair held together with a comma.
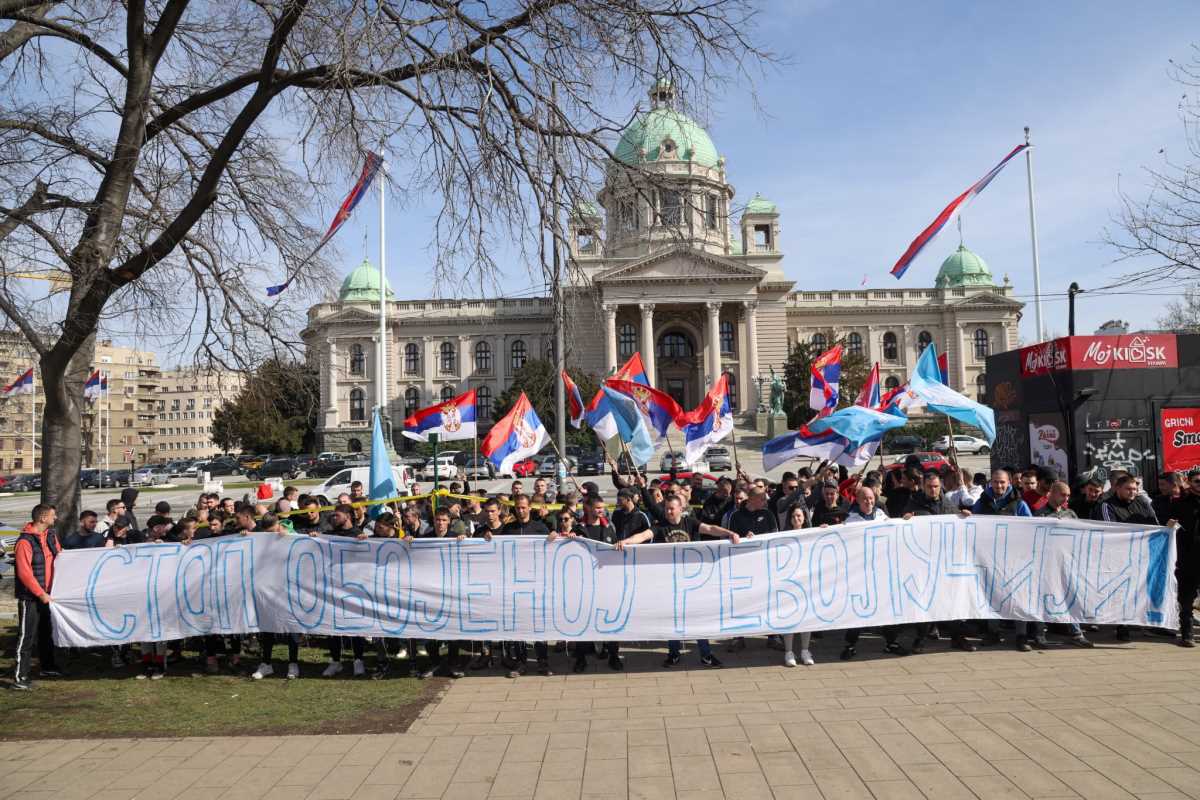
x: 370, y: 169
x: 574, y: 400
x: 658, y: 407
x: 450, y: 420
x: 943, y: 361
x: 519, y: 435
x: 103, y: 384
x: 825, y: 446
x: 826, y: 372
x: 868, y: 396
x: 91, y: 389
x: 22, y: 385
x: 950, y: 212
x: 707, y: 423
x: 632, y: 370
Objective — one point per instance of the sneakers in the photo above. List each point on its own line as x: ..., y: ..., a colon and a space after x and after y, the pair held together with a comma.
x: 52, y: 672
x: 360, y: 668
x: 961, y: 643
x: 263, y: 671
x: 710, y: 661
x: 1023, y: 646
x: 895, y: 648
x: 789, y: 659
x: 1187, y: 641
x: 544, y: 668
x: 671, y: 661
x: 482, y: 661
x: 1038, y: 643
x: 806, y: 658
x: 146, y: 673
x: 737, y: 645
x: 615, y: 663
x: 918, y: 647
x: 848, y: 652
x: 334, y: 668
x: 293, y: 671
x: 158, y: 673
x: 24, y: 686
x: 456, y: 673
x: 1082, y: 641
x: 402, y: 653
x: 429, y: 673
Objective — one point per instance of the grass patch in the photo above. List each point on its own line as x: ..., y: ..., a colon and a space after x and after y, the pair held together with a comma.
x: 98, y: 700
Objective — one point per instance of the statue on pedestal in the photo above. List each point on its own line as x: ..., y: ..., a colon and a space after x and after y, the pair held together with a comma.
x: 777, y: 392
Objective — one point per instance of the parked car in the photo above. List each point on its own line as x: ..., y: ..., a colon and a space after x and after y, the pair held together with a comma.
x: 967, y: 445
x: 118, y: 477
x: 548, y: 466
x: 193, y: 469
x: 150, y: 475
x: 676, y: 461
x: 248, y: 462
x: 221, y: 466
x: 625, y: 465
x: 447, y: 470
x: 904, y: 444
x: 23, y: 483
x: 178, y: 469
x: 591, y: 463
x: 477, y: 468
x: 328, y: 455
x: 521, y: 469
x: 282, y: 467
x: 718, y: 459
x: 340, y: 482
x: 929, y: 461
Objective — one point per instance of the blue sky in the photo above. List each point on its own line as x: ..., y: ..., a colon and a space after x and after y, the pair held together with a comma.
x: 886, y: 111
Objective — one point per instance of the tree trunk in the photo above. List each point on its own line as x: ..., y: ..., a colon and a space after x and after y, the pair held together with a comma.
x: 62, y: 452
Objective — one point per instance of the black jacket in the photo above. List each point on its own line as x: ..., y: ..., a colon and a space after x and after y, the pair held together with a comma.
x: 922, y: 505
x: 1137, y: 511
x: 823, y: 514
x: 1186, y: 511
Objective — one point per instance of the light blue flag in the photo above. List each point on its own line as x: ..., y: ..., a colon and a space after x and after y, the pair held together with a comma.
x: 383, y: 484
x: 858, y: 424
x: 631, y: 425
x: 926, y: 384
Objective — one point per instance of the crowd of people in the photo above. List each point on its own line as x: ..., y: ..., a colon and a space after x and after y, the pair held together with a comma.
x: 646, y: 511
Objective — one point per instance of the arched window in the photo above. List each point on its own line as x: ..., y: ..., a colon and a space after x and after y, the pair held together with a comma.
x: 519, y: 354
x: 924, y: 339
x: 412, y: 359
x: 483, y: 357
x: 891, y: 352
x: 891, y: 383
x: 674, y: 345
x: 412, y: 399
x: 358, y: 360
x: 733, y: 392
x: 447, y: 393
x: 358, y: 405
x: 354, y: 445
x: 626, y: 340
x: 983, y: 346
x: 854, y: 344
x: 447, y: 357
x: 981, y: 387
x: 483, y: 404
x: 726, y: 338
x: 819, y: 342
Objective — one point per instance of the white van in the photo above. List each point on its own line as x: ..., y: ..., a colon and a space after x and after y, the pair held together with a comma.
x: 340, y: 482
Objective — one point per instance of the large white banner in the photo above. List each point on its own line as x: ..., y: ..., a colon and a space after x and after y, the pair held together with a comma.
x: 525, y: 588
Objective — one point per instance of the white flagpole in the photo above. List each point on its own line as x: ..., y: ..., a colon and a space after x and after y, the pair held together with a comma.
x: 1037, y: 272
x: 107, y: 420
x: 33, y: 411
x: 381, y: 394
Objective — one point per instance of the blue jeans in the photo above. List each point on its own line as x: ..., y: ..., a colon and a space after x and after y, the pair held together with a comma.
x: 674, y: 646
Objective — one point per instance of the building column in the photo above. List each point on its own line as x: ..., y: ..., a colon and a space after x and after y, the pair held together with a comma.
x: 648, y: 341
x: 610, y: 337
x: 465, y: 368
x: 428, y: 368
x: 501, y: 362
x: 750, y: 388
x: 331, y: 404
x: 964, y: 348
x: 714, y: 343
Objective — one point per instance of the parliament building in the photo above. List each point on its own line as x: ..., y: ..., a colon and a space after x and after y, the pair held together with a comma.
x: 685, y: 275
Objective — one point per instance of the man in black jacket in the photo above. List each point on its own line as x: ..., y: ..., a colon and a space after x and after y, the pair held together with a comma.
x: 517, y: 653
x: 930, y: 501
x: 1186, y: 512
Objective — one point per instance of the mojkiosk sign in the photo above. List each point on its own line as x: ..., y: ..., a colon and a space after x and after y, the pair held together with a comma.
x: 1133, y: 351
x: 1181, y: 439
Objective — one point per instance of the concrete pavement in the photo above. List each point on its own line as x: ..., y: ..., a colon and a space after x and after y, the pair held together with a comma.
x: 1113, y: 722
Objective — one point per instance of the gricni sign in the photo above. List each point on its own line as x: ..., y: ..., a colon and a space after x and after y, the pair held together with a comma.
x: 1180, y: 439
x: 1133, y: 351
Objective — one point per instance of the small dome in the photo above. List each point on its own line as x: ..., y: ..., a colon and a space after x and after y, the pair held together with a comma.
x: 963, y: 268
x: 362, y: 285
x: 646, y: 135
x: 761, y: 205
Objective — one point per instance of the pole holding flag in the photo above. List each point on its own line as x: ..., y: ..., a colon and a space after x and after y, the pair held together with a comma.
x: 1037, y: 272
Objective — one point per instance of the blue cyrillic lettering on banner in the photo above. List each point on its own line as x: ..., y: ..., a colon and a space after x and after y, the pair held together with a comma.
x: 99, y: 623
x: 829, y: 573
x: 193, y: 587
x: 693, y: 567
x: 524, y: 575
x: 787, y: 598
x: 307, y: 576
x: 393, y: 586
x: 470, y: 620
x: 353, y: 606
x: 731, y: 584
x: 155, y: 556
x: 573, y: 575
x: 609, y: 621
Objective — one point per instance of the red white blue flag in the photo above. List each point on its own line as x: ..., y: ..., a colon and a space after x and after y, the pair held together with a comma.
x: 450, y: 420
x: 949, y: 213
x: 91, y: 389
x: 826, y: 373
x: 574, y: 400
x: 519, y: 435
x: 22, y: 385
x: 658, y: 407
x: 370, y: 169
x: 632, y: 370
x: 707, y: 423
x: 868, y: 396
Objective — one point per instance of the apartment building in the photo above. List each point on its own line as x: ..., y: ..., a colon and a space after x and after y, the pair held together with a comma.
x: 186, y: 402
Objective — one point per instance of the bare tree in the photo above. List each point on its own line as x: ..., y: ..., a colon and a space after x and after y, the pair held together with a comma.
x: 169, y: 156
x: 1161, y: 231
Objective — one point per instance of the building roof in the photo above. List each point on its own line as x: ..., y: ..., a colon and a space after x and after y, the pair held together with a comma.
x: 643, y: 138
x: 362, y: 285
x: 963, y: 268
x: 761, y: 205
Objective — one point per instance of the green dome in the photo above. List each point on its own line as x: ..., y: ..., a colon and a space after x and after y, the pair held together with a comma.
x: 963, y: 268
x: 761, y: 205
x: 646, y: 134
x: 362, y: 285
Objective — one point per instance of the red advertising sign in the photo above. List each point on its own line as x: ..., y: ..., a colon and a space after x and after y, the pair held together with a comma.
x: 1132, y: 351
x: 1180, y: 438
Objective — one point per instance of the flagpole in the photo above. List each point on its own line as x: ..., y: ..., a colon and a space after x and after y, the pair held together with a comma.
x: 33, y: 411
x: 1037, y: 272
x: 381, y: 373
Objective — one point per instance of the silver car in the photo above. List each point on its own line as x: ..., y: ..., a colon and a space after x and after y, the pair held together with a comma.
x: 718, y: 459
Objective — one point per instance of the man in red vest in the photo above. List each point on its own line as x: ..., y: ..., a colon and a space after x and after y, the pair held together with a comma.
x: 36, y: 549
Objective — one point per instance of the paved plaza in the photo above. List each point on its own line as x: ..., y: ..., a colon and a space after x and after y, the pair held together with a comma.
x: 1119, y: 721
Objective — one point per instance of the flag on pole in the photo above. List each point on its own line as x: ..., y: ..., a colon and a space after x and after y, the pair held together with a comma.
x: 826, y: 372
x: 370, y: 169
x: 22, y: 385
x: 658, y: 407
x: 707, y: 423
x: 574, y: 400
x: 869, y: 394
x: 948, y: 213
x: 943, y: 362
x: 382, y: 481
x: 926, y: 384
x: 629, y: 423
x: 803, y: 443
x: 857, y: 424
x: 516, y: 436
x: 632, y: 370
x: 450, y: 419
x: 91, y: 389
x: 103, y: 384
